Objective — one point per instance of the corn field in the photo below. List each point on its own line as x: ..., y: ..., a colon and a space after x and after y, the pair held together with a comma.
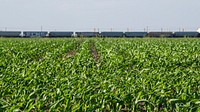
x: 100, y: 75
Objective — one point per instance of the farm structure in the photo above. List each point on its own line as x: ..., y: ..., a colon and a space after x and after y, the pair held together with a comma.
x: 10, y: 33
x: 104, y: 34
x: 60, y: 34
x: 112, y: 34
x: 135, y: 34
x: 35, y: 34
x: 186, y: 34
x: 160, y: 34
x: 87, y: 34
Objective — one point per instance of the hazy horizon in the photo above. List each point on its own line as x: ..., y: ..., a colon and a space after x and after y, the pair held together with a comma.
x: 103, y: 15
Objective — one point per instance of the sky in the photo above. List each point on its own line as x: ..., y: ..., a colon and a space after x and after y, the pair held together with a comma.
x: 99, y: 15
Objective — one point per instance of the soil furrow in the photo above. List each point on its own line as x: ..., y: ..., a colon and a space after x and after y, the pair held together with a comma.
x: 70, y: 54
x: 94, y: 52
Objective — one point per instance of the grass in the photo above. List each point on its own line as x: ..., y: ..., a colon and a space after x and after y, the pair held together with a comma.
x: 99, y: 74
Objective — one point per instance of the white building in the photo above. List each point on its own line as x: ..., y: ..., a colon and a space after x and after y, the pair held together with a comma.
x: 198, y: 30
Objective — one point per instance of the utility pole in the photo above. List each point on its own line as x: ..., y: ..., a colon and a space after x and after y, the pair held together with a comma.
x: 147, y: 28
x: 128, y: 29
x: 41, y: 28
x: 41, y: 31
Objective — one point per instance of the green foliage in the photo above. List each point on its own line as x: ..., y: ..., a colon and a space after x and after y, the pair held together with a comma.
x: 130, y: 75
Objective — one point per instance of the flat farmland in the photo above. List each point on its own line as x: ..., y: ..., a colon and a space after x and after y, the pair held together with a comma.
x: 95, y: 75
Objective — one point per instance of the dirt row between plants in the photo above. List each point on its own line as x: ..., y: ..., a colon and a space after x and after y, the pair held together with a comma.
x: 70, y: 54
x: 94, y: 52
x: 73, y: 52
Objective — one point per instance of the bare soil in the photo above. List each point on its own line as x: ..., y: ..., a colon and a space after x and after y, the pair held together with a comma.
x: 94, y: 52
x: 70, y: 54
